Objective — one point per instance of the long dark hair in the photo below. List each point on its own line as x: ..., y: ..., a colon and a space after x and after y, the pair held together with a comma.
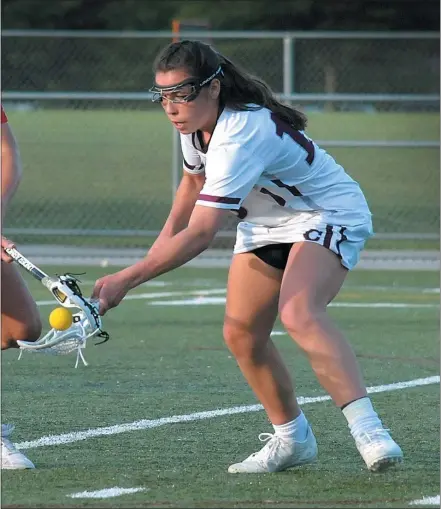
x: 238, y: 88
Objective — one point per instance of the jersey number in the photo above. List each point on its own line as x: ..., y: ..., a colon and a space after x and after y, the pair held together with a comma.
x: 283, y: 128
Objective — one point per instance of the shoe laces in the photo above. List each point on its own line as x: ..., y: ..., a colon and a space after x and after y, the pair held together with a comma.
x: 371, y: 436
x: 273, y: 443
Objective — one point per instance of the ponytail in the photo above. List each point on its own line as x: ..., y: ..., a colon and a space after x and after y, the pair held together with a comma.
x: 240, y: 90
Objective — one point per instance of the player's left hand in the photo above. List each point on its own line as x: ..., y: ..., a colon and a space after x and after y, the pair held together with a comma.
x: 109, y: 291
x: 4, y: 255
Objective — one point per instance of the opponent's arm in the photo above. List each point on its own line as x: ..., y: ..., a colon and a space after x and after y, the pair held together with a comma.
x: 11, y: 167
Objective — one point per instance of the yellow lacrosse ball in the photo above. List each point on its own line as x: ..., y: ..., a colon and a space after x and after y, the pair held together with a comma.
x: 60, y: 319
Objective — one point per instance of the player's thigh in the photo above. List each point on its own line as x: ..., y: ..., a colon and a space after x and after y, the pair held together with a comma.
x: 17, y: 304
x: 252, y: 295
x: 313, y: 277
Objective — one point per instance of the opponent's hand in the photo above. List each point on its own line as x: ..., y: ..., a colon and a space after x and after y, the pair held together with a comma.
x: 4, y: 255
x: 109, y: 291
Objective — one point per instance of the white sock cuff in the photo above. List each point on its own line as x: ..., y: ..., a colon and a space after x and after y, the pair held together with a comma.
x: 294, y: 428
x: 359, y: 409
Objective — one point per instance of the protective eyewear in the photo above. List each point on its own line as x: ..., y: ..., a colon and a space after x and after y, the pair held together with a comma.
x: 183, y: 92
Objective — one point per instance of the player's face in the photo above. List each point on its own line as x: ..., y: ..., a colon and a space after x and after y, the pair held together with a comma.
x: 188, y: 116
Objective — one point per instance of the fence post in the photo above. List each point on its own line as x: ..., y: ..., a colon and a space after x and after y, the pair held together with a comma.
x: 288, y: 65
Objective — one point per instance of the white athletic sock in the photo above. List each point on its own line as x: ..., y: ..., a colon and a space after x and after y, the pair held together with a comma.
x: 296, y: 429
x: 361, y: 416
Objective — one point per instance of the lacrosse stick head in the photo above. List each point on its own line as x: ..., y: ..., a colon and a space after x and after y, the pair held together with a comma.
x: 66, y: 291
x: 57, y: 342
x: 86, y: 322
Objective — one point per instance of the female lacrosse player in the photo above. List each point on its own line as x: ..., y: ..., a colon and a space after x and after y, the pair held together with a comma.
x: 20, y: 317
x: 304, y: 223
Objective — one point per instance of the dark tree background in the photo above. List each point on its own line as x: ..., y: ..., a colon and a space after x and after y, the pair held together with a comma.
x: 223, y: 14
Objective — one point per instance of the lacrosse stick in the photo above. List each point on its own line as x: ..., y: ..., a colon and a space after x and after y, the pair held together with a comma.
x: 86, y: 323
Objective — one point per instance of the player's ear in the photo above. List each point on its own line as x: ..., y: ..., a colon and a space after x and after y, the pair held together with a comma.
x: 214, y: 89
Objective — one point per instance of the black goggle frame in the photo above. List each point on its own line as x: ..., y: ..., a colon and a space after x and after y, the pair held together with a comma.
x: 195, y: 84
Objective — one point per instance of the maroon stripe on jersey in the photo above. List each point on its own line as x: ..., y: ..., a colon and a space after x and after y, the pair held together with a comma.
x: 275, y: 197
x: 219, y: 199
x: 189, y: 166
x: 342, y: 239
x: 292, y: 189
x: 328, y: 236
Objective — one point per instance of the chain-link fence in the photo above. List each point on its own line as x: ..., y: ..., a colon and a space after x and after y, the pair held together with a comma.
x: 101, y: 162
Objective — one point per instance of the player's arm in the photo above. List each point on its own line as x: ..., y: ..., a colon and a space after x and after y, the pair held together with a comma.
x: 235, y: 172
x: 192, y: 181
x: 175, y: 251
x: 11, y: 167
x: 182, y: 208
x: 179, y: 249
x: 183, y: 204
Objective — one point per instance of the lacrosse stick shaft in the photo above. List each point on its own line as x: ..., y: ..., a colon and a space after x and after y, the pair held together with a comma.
x: 26, y: 264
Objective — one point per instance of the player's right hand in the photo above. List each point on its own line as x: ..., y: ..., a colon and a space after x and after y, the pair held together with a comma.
x: 6, y: 243
x: 110, y: 291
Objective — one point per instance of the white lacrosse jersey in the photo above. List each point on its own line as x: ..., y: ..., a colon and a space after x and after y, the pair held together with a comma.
x: 271, y: 174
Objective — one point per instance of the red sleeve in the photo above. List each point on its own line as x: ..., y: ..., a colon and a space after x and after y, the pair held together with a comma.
x: 4, y: 117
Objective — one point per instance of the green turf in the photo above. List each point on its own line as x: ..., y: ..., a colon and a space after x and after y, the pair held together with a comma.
x: 89, y: 169
x: 163, y: 361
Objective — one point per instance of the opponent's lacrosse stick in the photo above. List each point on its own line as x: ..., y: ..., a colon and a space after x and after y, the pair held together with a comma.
x: 86, y: 323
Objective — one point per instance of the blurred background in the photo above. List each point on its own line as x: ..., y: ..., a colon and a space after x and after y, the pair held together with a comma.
x: 101, y: 162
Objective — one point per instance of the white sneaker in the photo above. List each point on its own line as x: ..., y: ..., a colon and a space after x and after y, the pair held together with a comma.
x: 378, y: 449
x: 278, y: 454
x: 12, y: 458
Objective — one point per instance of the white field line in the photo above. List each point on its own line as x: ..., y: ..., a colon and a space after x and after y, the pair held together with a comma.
x: 177, y: 282
x: 201, y: 299
x: 76, y: 436
x: 153, y: 295
x: 212, y: 301
x: 159, y: 284
x: 393, y: 289
x: 107, y: 493
x: 427, y: 501
x: 210, y: 282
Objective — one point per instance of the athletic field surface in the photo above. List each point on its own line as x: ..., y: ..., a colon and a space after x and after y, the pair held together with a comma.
x: 162, y: 409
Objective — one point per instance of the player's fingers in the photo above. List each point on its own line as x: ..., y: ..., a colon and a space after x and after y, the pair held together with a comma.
x: 103, y: 306
x: 97, y: 289
x: 6, y: 243
x: 5, y: 257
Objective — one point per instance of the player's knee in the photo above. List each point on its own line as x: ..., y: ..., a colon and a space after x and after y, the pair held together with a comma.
x: 8, y: 342
x: 33, y: 329
x: 242, y: 343
x: 24, y: 331
x: 299, y: 317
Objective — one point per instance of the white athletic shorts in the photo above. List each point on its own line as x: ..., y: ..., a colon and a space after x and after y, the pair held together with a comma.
x: 346, y: 241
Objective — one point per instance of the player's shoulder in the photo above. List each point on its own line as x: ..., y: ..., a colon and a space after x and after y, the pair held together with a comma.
x: 241, y: 126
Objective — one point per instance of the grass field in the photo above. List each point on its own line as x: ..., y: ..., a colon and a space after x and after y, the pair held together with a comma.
x: 112, y: 169
x: 166, y: 358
